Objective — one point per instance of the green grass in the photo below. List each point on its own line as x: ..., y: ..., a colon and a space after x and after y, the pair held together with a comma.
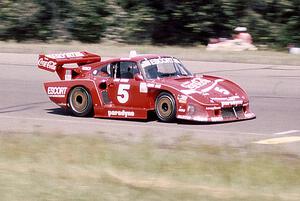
x: 62, y: 167
x: 185, y: 53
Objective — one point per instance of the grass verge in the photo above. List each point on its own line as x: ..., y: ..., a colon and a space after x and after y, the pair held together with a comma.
x: 197, y: 53
x: 61, y: 167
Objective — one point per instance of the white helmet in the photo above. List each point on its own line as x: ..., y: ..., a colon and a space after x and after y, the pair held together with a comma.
x: 240, y: 29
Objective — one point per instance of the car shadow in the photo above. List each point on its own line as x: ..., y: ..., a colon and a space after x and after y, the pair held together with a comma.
x: 151, y: 118
x: 59, y: 111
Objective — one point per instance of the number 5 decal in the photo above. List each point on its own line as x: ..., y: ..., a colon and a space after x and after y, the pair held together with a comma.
x: 222, y: 91
x: 123, y: 94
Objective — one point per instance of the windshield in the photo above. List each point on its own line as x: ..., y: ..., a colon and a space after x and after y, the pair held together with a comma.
x: 163, y: 67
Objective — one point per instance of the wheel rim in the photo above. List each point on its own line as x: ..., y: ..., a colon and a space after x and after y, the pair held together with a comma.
x: 79, y: 100
x: 165, y: 107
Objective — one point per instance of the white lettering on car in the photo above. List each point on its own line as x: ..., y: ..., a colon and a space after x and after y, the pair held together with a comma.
x: 57, y: 91
x: 159, y: 61
x: 231, y: 103
x: 181, y: 110
x: 121, y: 113
x: 222, y: 91
x: 225, y: 98
x: 86, y: 68
x: 47, y: 64
x: 65, y: 55
x: 195, y: 83
x: 206, y: 90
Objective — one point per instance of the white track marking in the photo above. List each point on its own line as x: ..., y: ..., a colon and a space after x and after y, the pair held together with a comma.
x: 279, y: 140
x: 287, y: 132
x: 116, y: 124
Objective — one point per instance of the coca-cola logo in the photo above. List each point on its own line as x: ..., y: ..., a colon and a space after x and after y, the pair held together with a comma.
x: 47, y: 64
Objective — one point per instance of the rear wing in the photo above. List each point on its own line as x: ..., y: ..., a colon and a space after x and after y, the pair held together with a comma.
x: 62, y: 63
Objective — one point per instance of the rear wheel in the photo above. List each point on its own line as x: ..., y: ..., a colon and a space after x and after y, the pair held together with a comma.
x: 165, y: 107
x: 80, y: 102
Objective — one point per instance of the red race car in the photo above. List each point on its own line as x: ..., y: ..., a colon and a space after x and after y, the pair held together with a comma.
x: 131, y: 87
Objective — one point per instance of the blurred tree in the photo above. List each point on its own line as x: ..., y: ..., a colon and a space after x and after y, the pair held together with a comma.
x: 86, y: 19
x: 23, y: 21
x: 274, y: 22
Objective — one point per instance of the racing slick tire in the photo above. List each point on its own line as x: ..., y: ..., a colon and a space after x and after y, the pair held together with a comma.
x: 165, y: 107
x: 80, y: 102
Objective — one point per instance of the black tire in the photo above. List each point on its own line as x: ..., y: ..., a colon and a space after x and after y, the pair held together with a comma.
x: 165, y: 107
x: 80, y: 102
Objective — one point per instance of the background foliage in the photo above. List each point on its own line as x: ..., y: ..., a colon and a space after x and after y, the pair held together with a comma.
x: 273, y: 22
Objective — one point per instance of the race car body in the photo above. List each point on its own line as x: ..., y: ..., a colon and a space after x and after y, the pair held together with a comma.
x: 131, y: 87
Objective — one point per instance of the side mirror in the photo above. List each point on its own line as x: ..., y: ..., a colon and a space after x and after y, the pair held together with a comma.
x: 138, y: 77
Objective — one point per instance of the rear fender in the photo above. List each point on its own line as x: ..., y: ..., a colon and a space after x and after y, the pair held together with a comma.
x: 58, y: 91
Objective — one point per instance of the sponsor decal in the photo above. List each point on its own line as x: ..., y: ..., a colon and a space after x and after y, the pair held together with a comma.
x: 86, y: 68
x: 158, y: 86
x: 143, y: 87
x: 213, y: 108
x: 225, y: 98
x: 181, y: 110
x: 65, y: 55
x: 121, y: 80
x: 197, y: 118
x: 195, y: 83
x: 47, y: 64
x: 231, y: 103
x: 206, y: 90
x: 121, y: 113
x: 222, y: 91
x: 184, y: 117
x: 159, y: 61
x: 150, y: 85
x: 182, y: 98
x: 57, y: 91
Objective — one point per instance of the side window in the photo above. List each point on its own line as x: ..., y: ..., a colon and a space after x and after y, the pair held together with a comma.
x: 103, y: 71
x: 127, y: 69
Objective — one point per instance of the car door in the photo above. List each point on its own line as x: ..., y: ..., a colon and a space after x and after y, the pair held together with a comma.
x: 124, y: 90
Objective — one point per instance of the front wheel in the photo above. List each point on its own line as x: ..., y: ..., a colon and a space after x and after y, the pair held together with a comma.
x: 165, y: 107
x: 80, y: 102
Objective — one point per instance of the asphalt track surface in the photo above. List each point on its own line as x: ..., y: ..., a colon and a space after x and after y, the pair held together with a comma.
x: 274, y: 93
